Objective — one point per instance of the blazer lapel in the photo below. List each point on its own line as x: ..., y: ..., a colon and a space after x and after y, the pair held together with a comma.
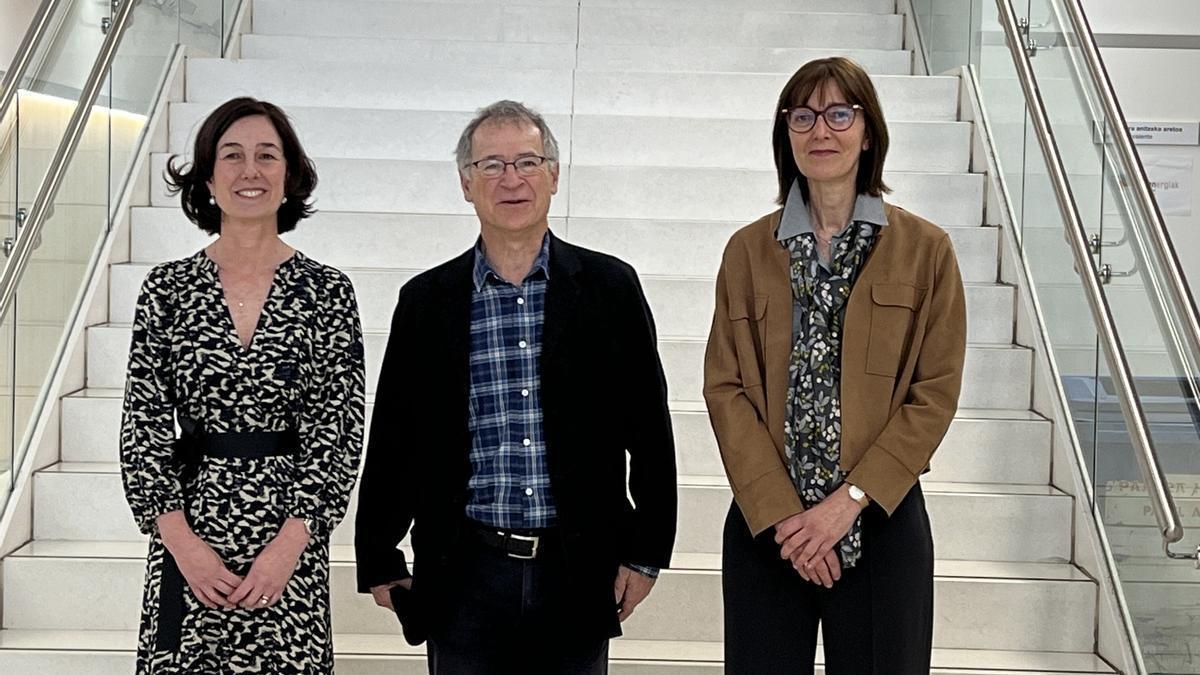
x: 562, y: 295
x: 455, y: 320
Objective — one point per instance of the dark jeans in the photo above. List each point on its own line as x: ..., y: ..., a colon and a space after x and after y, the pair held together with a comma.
x: 514, y: 616
x: 877, y: 620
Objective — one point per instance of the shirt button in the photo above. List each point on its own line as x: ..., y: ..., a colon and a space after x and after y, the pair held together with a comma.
x: 528, y: 492
x: 522, y: 344
x: 527, y: 442
x: 520, y: 301
x: 524, y: 392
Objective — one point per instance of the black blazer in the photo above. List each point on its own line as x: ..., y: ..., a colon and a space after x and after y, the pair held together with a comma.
x: 604, y: 393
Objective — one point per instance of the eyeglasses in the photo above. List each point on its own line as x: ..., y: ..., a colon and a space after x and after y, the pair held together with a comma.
x: 838, y: 117
x: 494, y: 168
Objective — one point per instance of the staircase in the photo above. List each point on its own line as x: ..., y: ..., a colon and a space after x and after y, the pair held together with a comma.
x: 663, y: 111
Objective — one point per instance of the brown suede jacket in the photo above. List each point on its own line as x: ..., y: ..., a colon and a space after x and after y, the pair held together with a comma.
x: 902, y: 363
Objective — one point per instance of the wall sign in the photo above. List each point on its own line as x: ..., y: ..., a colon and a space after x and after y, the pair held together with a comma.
x: 1171, y: 179
x: 1165, y: 133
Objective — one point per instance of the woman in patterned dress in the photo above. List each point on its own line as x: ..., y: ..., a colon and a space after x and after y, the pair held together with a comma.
x: 257, y: 351
x: 832, y: 372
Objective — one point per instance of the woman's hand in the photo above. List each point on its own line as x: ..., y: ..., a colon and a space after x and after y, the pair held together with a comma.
x: 808, y: 537
x: 211, y: 582
x: 273, y: 567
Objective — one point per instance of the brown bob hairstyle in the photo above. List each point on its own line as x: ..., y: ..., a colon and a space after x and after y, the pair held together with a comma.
x: 857, y: 87
x: 190, y: 181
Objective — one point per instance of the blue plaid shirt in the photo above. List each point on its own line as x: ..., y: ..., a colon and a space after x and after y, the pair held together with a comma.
x: 510, y: 480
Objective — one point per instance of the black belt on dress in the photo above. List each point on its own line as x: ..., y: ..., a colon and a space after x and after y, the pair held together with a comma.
x: 191, y: 445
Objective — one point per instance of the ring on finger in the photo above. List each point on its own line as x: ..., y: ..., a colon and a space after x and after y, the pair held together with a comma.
x: 266, y: 599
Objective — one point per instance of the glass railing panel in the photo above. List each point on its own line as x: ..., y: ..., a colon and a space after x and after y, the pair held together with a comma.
x: 948, y: 34
x: 52, y: 282
x: 8, y: 230
x: 230, y: 9
x: 1161, y: 594
x: 47, y: 94
x: 70, y: 237
x: 202, y: 27
x: 138, y: 71
x: 1003, y: 102
x: 7, y: 399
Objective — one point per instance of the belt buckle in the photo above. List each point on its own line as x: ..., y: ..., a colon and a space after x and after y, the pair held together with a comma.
x: 521, y: 537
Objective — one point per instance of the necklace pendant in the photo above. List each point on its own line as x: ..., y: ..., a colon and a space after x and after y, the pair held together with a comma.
x: 241, y: 304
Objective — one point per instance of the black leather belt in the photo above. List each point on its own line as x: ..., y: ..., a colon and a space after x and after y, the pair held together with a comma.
x: 191, y: 445
x: 520, y: 544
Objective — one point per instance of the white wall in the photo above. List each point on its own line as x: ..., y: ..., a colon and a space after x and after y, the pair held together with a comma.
x: 1158, y: 84
x: 14, y: 19
x: 1148, y: 17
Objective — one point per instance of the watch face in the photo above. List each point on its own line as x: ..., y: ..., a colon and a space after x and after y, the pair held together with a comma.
x: 856, y: 493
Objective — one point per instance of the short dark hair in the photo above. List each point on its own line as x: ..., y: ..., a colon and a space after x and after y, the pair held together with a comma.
x: 858, y: 89
x: 190, y: 180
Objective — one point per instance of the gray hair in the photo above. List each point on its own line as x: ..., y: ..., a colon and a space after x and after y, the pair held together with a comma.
x: 505, y: 111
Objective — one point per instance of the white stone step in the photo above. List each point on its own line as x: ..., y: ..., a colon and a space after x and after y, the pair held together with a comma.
x: 972, y: 521
x: 587, y: 25
x: 362, y: 86
x: 732, y: 26
x: 400, y: 186
x: 410, y: 241
x: 448, y: 21
x: 1029, y: 606
x: 401, y: 53
x: 111, y: 652
x: 744, y: 95
x: 425, y: 135
x: 406, y: 53
x: 711, y: 95
x: 378, y: 185
x: 932, y: 147
x: 994, y: 376
x: 734, y: 58
x: 852, y: 6
x: 948, y: 199
x: 968, y: 453
x: 682, y: 306
x: 927, y: 147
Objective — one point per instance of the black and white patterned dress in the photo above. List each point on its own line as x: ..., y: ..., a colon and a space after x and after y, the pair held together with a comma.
x: 303, y: 371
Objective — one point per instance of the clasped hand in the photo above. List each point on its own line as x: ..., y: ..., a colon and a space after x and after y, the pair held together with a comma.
x: 807, y: 539
x: 214, y: 585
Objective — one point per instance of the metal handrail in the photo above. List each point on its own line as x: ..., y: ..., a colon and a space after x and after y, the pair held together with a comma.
x: 1187, y: 344
x: 20, y: 63
x: 29, y: 234
x: 1165, y: 510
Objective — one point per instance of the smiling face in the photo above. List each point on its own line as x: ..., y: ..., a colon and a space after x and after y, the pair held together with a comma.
x: 822, y: 154
x: 510, y: 203
x: 250, y: 172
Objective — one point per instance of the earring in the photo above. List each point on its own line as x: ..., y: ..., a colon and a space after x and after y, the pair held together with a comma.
x: 284, y: 201
x: 212, y: 201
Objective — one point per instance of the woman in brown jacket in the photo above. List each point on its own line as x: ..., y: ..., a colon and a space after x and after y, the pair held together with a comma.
x: 832, y: 372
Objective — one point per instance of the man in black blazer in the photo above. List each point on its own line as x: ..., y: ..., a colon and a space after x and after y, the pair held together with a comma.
x: 520, y: 433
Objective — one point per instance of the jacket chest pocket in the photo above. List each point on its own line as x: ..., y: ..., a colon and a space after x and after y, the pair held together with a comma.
x: 893, y: 309
x: 746, y: 317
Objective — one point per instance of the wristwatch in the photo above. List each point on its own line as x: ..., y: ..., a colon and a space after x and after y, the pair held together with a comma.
x: 857, y: 494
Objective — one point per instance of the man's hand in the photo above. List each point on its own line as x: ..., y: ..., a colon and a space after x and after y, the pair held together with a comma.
x: 273, y: 568
x: 807, y: 538
x: 631, y: 589
x: 382, y: 593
